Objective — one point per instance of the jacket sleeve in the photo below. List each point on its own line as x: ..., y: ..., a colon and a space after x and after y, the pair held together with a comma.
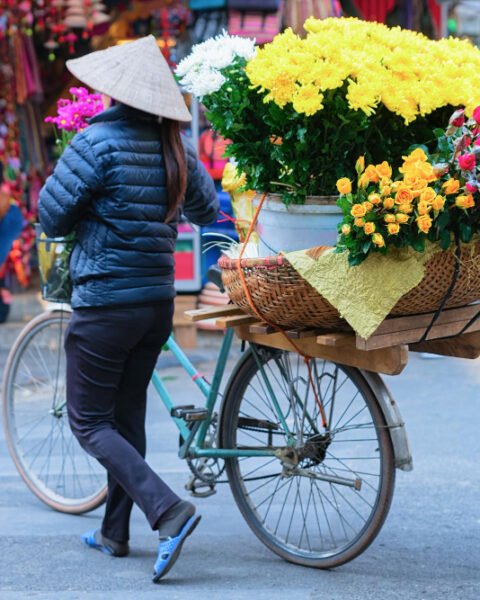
x: 68, y: 191
x: 201, y: 203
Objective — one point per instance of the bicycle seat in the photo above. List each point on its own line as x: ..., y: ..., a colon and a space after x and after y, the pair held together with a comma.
x: 214, y: 274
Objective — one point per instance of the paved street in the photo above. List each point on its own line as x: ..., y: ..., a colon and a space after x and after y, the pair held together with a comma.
x: 429, y: 547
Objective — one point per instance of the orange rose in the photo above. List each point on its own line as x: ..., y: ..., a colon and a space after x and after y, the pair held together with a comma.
x: 403, y: 196
x: 424, y: 223
x: 344, y: 186
x: 384, y: 170
x: 428, y: 195
x: 423, y: 208
x: 369, y: 228
x: 438, y: 202
x: 364, y: 180
x: 465, y: 201
x: 393, y: 228
x: 359, y: 222
x: 374, y: 198
x: 402, y: 218
x: 417, y: 154
x: 368, y: 206
x: 358, y: 210
x: 451, y: 186
x: 386, y: 190
x: 415, y: 184
x: 346, y: 229
x: 371, y: 173
x: 389, y: 218
x: 377, y: 239
x: 360, y: 164
x: 388, y: 203
x: 405, y: 208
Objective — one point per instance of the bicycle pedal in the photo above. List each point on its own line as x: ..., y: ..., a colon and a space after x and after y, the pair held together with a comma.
x: 194, y: 486
x: 189, y: 413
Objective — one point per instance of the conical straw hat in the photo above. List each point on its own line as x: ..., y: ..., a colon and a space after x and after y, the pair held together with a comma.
x: 135, y: 74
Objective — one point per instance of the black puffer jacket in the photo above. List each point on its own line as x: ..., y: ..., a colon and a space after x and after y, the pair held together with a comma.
x: 109, y: 186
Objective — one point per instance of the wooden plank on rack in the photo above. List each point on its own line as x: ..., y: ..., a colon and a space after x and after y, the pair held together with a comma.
x: 414, y: 335
x: 462, y: 346
x: 213, y: 312
x: 262, y: 327
x: 449, y: 315
x: 336, y: 339
x: 390, y: 361
x: 298, y: 334
x: 235, y: 320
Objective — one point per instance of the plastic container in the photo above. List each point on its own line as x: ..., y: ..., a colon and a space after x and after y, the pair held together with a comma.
x: 53, y: 266
x: 284, y: 228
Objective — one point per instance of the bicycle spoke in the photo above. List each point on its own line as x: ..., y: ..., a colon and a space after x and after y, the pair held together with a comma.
x: 305, y: 507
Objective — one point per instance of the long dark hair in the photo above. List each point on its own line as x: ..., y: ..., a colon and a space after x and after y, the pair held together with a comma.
x: 175, y: 165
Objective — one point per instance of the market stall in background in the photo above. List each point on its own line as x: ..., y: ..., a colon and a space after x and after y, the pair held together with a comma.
x: 38, y: 36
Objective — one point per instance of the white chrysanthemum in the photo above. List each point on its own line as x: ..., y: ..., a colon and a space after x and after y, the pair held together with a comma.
x: 205, y: 82
x: 199, y: 72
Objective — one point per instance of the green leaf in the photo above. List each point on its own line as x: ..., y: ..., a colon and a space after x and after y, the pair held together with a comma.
x: 418, y: 244
x: 366, y: 246
x: 466, y: 232
x: 344, y: 204
x: 443, y: 219
x: 445, y: 239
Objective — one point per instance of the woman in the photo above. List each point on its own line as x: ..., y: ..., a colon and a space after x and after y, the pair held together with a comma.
x: 121, y: 186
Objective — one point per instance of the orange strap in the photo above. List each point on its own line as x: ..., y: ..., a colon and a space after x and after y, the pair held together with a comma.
x: 307, y: 359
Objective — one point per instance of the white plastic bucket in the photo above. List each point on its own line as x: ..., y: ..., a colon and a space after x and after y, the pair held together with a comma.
x: 284, y: 228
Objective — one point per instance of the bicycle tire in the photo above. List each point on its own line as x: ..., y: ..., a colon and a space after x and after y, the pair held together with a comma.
x: 27, y: 391
x: 233, y: 408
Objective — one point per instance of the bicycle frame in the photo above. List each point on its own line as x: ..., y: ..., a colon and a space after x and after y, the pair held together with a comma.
x: 194, y: 445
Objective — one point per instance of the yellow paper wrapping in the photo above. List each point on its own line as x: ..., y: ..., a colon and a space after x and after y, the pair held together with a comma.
x: 365, y: 294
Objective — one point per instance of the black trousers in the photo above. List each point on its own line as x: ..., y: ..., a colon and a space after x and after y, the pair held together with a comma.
x: 111, y: 354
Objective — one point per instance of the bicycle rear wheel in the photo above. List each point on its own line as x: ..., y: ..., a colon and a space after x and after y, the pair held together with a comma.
x: 322, y: 499
x: 47, y: 455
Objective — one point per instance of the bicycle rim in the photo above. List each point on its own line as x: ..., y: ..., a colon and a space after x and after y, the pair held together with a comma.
x: 328, y: 507
x: 47, y: 455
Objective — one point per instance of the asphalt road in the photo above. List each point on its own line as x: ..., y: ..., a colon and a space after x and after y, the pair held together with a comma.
x: 429, y: 547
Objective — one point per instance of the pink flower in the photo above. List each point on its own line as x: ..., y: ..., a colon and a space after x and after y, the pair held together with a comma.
x: 471, y: 186
x: 477, y: 141
x: 458, y: 118
x: 476, y: 114
x: 467, y: 162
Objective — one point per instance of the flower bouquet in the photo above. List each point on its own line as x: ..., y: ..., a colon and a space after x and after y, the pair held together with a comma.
x: 299, y: 111
x: 53, y: 254
x: 436, y: 198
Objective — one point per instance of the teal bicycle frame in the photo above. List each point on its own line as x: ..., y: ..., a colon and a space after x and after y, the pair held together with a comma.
x: 194, y: 438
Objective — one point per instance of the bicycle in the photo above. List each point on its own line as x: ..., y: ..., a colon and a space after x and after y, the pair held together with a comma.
x: 316, y: 495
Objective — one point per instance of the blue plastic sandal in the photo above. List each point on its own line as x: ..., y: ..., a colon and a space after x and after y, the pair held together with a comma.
x: 95, y: 539
x: 169, y: 549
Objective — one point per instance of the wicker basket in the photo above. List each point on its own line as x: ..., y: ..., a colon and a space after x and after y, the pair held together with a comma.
x: 283, y: 297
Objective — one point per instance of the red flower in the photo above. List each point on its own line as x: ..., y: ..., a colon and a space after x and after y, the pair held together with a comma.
x: 476, y: 114
x: 477, y: 141
x: 467, y: 162
x: 458, y: 118
x: 471, y: 186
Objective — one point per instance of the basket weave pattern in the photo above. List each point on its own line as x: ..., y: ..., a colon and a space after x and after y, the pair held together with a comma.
x: 283, y: 297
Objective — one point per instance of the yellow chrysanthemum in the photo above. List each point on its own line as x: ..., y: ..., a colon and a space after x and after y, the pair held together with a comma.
x: 401, y: 69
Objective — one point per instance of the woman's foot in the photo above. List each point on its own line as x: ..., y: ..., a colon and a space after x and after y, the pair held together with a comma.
x: 174, y: 528
x: 95, y: 539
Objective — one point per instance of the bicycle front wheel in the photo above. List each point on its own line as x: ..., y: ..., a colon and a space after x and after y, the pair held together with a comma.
x: 47, y: 455
x: 323, y: 496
